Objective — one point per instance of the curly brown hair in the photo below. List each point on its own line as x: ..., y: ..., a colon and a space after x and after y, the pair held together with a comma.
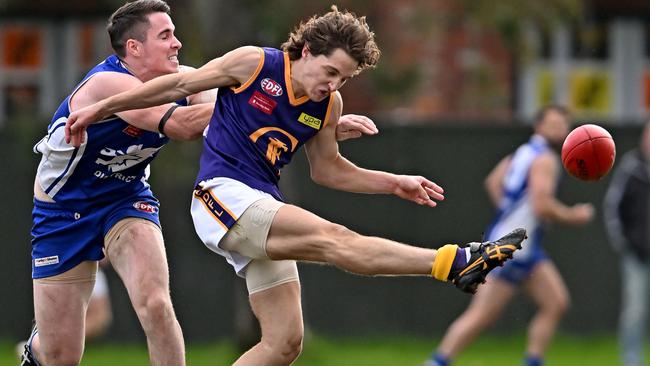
x: 326, y: 33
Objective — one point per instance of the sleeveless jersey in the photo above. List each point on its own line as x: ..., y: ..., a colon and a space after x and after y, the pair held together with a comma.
x: 113, y: 163
x: 515, y: 209
x: 257, y: 127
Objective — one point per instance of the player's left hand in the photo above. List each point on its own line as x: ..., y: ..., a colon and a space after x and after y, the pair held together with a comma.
x: 352, y: 126
x: 78, y: 121
x: 419, y: 190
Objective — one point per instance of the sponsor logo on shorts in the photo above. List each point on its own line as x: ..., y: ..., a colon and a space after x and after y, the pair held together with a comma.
x: 310, y: 121
x: 271, y: 87
x: 145, y: 207
x: 224, y: 217
x: 46, y: 261
x: 262, y: 102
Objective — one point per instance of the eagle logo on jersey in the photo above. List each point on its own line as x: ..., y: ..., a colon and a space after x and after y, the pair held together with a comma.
x: 274, y: 149
x: 275, y: 146
x: 119, y: 160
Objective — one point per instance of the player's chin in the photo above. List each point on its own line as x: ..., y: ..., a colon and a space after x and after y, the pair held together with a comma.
x: 319, y: 96
x: 172, y: 67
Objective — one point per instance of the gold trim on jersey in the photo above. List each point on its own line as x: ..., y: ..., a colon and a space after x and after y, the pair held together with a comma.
x: 287, y: 81
x: 250, y: 80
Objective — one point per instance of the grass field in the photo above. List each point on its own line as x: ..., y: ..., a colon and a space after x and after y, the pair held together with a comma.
x: 487, y: 351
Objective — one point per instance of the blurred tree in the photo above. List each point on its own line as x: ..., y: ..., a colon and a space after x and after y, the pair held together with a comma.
x: 49, y: 8
x: 511, y: 19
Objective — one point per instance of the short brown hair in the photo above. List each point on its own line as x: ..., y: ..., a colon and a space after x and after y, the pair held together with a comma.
x: 131, y: 21
x: 326, y: 33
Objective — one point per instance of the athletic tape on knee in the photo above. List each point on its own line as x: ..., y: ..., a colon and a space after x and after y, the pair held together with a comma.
x: 444, y: 260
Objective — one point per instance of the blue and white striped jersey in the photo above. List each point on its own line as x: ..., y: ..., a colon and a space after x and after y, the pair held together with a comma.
x: 515, y: 209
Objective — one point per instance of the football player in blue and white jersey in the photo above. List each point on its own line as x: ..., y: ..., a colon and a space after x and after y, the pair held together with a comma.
x: 95, y: 199
x: 522, y: 186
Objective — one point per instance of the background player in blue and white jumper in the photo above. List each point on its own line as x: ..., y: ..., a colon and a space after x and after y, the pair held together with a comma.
x: 96, y: 195
x: 522, y: 186
x: 270, y: 103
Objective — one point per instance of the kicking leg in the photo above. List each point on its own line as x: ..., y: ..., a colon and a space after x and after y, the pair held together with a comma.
x: 301, y: 235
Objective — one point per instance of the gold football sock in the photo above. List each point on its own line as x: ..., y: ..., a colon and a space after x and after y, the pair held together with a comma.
x: 444, y: 260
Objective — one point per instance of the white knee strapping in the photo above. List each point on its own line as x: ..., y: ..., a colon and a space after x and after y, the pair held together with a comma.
x: 263, y: 274
x: 249, y: 234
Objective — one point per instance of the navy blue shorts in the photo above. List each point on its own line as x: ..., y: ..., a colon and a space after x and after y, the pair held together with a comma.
x: 61, y: 238
x: 516, y: 271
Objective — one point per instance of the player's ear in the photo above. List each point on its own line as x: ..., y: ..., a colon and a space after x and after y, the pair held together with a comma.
x: 305, y: 50
x: 132, y: 46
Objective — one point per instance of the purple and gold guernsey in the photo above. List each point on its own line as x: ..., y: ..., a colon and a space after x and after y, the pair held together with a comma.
x: 111, y: 165
x: 257, y: 127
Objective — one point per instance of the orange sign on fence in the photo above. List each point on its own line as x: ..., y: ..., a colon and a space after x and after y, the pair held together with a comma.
x: 22, y: 47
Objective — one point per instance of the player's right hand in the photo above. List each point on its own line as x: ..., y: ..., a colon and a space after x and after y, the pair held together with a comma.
x: 351, y: 126
x: 419, y: 190
x: 78, y: 121
x: 582, y: 213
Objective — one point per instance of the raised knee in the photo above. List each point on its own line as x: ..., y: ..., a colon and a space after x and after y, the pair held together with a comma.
x: 336, y: 237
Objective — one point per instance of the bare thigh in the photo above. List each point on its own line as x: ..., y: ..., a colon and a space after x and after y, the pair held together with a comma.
x: 138, y: 256
x: 491, y: 298
x: 301, y: 235
x: 60, y: 310
x: 546, y: 286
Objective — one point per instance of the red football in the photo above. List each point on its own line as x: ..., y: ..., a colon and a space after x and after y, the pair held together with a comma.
x: 588, y: 152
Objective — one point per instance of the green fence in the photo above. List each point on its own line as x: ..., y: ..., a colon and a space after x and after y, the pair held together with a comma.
x: 206, y: 292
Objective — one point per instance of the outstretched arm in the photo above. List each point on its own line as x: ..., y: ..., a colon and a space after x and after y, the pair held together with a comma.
x: 542, y: 181
x: 207, y: 96
x: 330, y: 169
x: 233, y: 68
x: 183, y: 124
